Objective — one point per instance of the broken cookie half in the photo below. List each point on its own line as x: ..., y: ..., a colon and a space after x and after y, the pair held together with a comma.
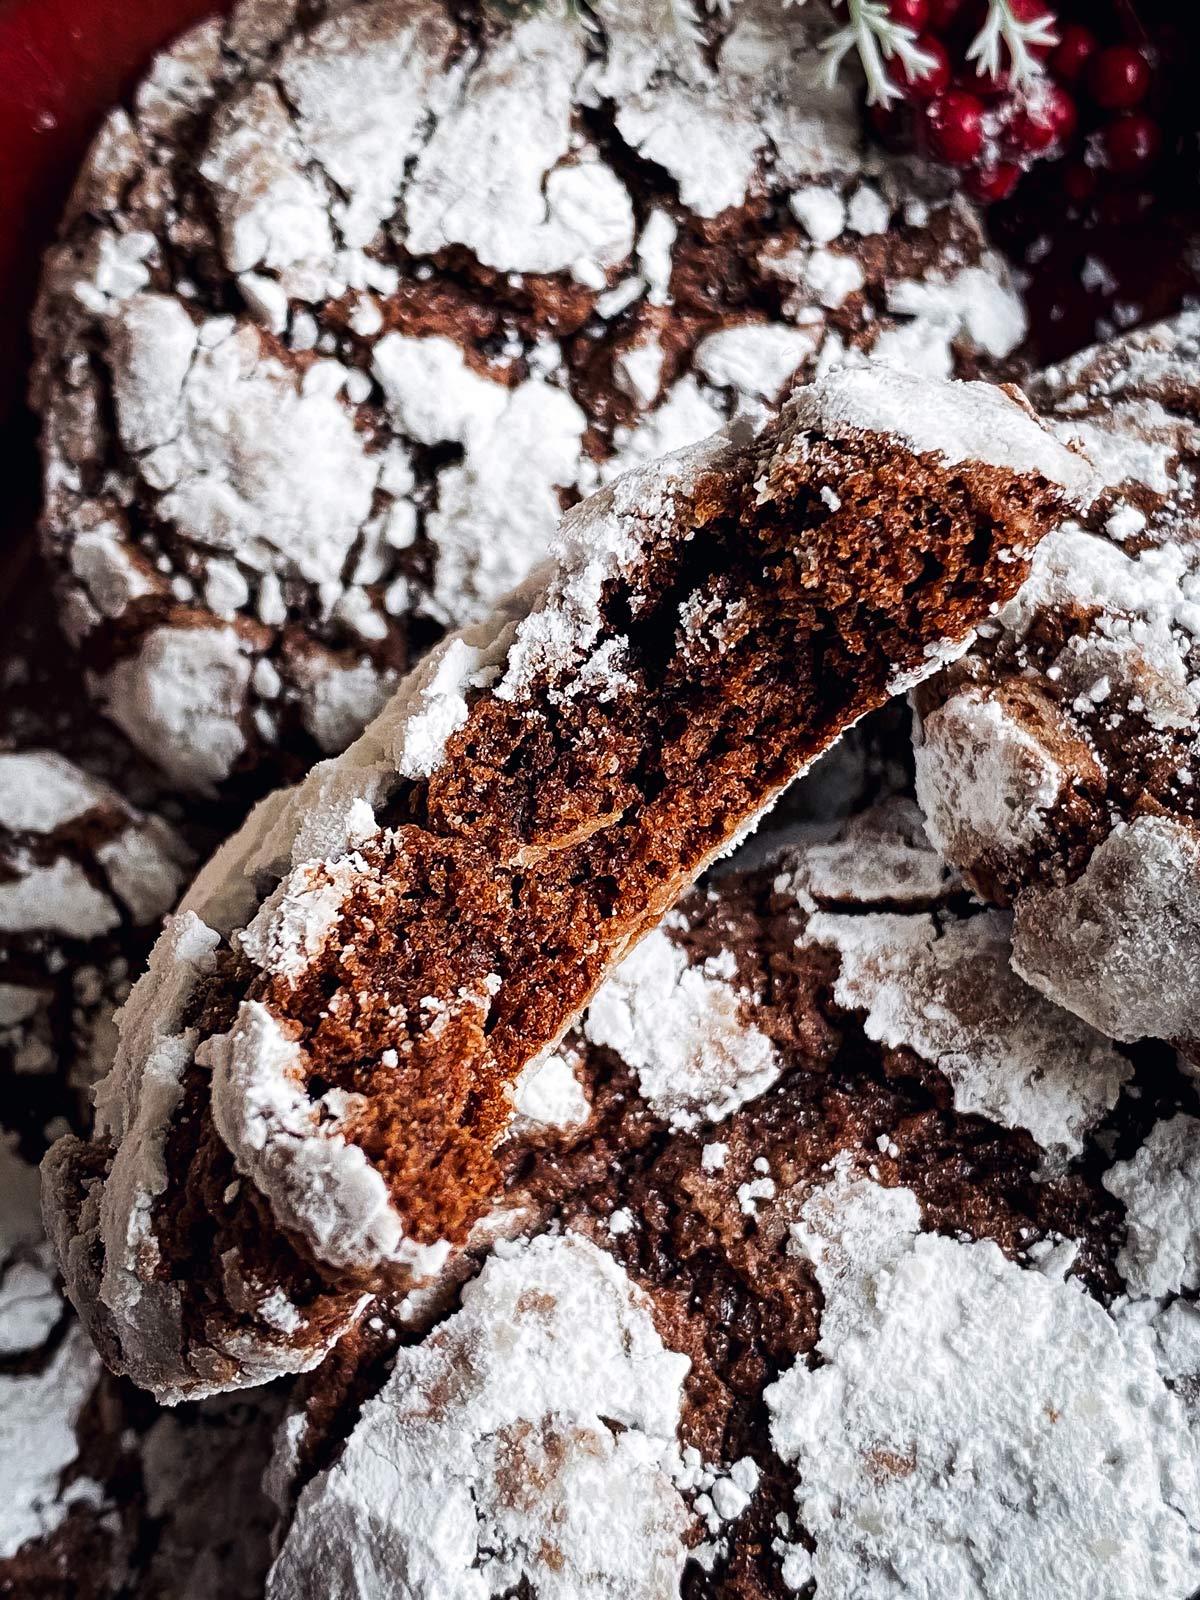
x: 316, y: 1071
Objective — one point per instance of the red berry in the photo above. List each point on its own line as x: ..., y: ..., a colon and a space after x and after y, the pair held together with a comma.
x: 943, y: 14
x: 912, y: 14
x: 1079, y: 182
x: 1073, y: 52
x: 1131, y: 143
x: 1118, y: 78
x: 988, y: 85
x: 1124, y: 207
x: 933, y: 81
x: 955, y: 121
x: 1048, y: 120
x: 989, y: 184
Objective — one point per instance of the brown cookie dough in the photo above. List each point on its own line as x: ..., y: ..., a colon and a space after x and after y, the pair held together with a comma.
x: 1059, y: 763
x: 355, y: 297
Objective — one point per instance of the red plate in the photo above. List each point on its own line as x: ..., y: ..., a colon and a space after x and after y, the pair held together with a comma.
x: 63, y: 64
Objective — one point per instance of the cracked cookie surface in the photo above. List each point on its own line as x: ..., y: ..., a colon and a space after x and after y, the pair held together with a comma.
x: 355, y: 297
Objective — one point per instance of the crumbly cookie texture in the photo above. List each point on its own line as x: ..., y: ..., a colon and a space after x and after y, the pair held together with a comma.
x: 356, y: 296
x: 325, y: 1045
x: 1059, y: 763
x: 852, y: 1321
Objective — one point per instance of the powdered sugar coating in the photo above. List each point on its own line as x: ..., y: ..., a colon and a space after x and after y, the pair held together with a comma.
x: 44, y: 1386
x: 1058, y: 764
x: 925, y: 979
x: 38, y: 1417
x: 508, y: 1445
x: 977, y: 1428
x: 983, y: 781
x: 30, y: 1300
x: 877, y: 857
x: 941, y: 1396
x: 1118, y: 946
x: 682, y: 1030
x: 1160, y: 1186
x: 320, y: 1183
x: 944, y: 988
x: 285, y: 509
x: 88, y: 863
x: 968, y: 422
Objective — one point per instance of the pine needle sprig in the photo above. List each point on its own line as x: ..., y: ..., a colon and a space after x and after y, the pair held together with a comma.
x: 878, y: 40
x: 1003, y: 30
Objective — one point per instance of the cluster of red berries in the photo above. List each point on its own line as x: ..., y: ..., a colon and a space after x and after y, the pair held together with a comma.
x: 1086, y: 100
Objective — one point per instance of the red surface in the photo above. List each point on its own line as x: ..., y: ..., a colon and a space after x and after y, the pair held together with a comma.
x: 63, y: 64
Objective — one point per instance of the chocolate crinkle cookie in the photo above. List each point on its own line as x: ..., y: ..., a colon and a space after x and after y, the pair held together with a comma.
x: 354, y: 298
x: 810, y: 1268
x: 316, y: 1069
x: 1059, y: 763
x: 93, y: 853
x: 103, y: 1496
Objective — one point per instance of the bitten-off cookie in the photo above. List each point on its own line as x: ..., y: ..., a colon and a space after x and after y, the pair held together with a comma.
x: 815, y: 1278
x: 1059, y: 764
x: 355, y: 297
x: 314, y: 1073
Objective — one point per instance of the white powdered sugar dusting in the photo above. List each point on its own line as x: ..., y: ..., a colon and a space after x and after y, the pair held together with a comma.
x: 40, y: 791
x: 44, y: 1392
x: 180, y: 700
x: 982, y: 780
x: 528, y: 209
x: 507, y: 1446
x: 30, y: 1301
x: 319, y: 1184
x: 685, y: 1032
x: 1118, y: 945
x: 135, y: 1105
x: 1160, y: 1188
x: 58, y: 897
x: 1060, y: 772
x: 39, y: 1412
x: 496, y: 508
x: 943, y: 988
x: 976, y: 1428
x: 755, y: 358
x: 955, y: 421
x: 548, y: 1094
x: 880, y: 856
x: 296, y: 920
